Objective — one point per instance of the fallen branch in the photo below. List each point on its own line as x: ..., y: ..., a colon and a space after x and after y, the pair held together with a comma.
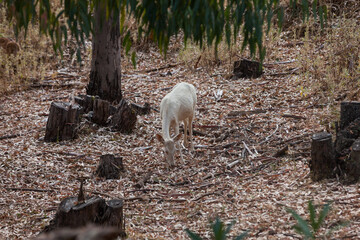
x: 159, y: 68
x: 9, y: 136
x: 292, y: 116
x: 268, y: 137
x: 29, y: 189
x: 230, y: 165
x: 206, y: 194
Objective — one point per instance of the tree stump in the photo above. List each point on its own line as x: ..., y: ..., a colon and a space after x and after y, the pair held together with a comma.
x: 353, y: 164
x: 349, y: 111
x: 86, y: 102
x: 62, y: 122
x: 322, y: 163
x: 247, y: 69
x: 94, y: 210
x: 90, y: 232
x: 110, y: 167
x: 73, y: 215
x: 101, y: 111
x: 113, y: 214
x: 124, y: 119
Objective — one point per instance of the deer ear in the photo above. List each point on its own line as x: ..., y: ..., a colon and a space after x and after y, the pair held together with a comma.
x: 177, y: 137
x: 160, y: 138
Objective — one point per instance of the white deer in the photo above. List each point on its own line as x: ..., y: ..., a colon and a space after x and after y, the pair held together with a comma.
x: 178, y: 105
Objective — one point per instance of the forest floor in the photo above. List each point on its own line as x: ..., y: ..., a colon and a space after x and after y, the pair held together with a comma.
x: 245, y: 119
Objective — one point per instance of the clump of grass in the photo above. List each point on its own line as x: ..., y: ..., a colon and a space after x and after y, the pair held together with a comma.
x: 32, y: 61
x: 333, y: 67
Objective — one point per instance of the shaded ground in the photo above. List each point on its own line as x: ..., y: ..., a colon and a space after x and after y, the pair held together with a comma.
x: 250, y: 121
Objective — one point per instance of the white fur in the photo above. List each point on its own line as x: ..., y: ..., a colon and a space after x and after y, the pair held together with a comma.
x: 178, y: 105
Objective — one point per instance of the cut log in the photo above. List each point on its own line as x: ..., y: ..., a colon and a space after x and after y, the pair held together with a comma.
x: 322, y: 162
x: 349, y: 111
x: 141, y: 110
x: 94, y: 210
x: 352, y: 168
x: 90, y: 232
x: 62, y: 122
x: 110, y: 167
x: 247, y: 69
x: 124, y: 119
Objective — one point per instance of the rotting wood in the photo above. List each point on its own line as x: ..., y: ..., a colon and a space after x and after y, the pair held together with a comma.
x: 143, y: 180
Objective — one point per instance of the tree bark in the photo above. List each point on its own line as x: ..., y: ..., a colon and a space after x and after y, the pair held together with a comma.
x: 349, y: 111
x: 105, y: 75
x: 353, y: 164
x: 322, y: 162
x: 62, y: 122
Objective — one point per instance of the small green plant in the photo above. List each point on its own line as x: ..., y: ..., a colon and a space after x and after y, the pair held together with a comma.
x: 220, y: 231
x: 310, y: 228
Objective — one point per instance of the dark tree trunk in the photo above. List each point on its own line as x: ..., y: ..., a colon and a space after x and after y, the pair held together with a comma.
x: 110, y: 167
x: 105, y: 75
x: 322, y: 162
x: 62, y: 122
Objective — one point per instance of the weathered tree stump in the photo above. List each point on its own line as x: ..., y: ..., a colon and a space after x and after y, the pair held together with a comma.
x: 86, y: 102
x: 63, y: 122
x: 94, y: 210
x: 90, y: 232
x: 141, y: 110
x: 349, y: 111
x: 101, y: 111
x: 113, y: 214
x: 110, y: 167
x: 322, y: 163
x: 352, y: 168
x: 246, y: 69
x: 124, y: 119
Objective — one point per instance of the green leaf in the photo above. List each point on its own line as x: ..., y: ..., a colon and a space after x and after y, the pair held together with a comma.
x: 302, y: 226
x: 192, y: 235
